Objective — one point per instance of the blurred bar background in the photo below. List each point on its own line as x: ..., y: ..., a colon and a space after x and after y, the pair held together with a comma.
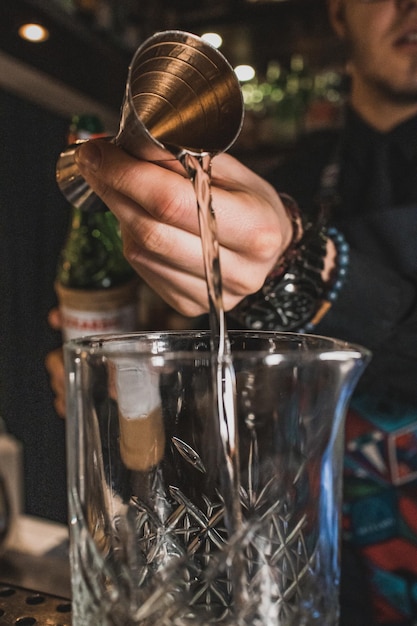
x: 297, y: 85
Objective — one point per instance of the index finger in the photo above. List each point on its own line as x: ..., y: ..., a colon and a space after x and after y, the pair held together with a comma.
x: 165, y: 194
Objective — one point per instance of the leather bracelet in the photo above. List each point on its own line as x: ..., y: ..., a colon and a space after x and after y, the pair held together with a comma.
x: 294, y: 214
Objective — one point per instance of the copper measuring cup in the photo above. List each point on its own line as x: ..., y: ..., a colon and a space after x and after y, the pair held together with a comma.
x: 182, y: 95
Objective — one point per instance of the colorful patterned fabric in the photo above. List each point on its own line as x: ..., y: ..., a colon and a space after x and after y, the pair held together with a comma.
x: 380, y: 510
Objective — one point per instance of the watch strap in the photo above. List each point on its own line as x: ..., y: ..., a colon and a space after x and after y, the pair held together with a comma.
x: 289, y: 300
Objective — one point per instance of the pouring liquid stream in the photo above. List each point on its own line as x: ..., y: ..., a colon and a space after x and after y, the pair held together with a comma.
x: 223, y: 374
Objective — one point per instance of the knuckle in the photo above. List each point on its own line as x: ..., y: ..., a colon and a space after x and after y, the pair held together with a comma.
x: 153, y: 238
x: 146, y: 237
x: 101, y: 189
x: 188, y: 307
x: 264, y: 244
x: 121, y: 178
x: 174, y: 205
x: 241, y: 288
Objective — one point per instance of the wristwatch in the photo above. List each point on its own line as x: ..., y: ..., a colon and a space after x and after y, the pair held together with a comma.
x: 287, y: 302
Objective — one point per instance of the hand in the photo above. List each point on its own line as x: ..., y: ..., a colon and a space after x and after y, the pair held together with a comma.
x: 157, y: 211
x: 54, y: 363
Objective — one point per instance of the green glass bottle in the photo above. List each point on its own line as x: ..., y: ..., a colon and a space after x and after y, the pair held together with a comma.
x: 85, y: 126
x: 96, y: 287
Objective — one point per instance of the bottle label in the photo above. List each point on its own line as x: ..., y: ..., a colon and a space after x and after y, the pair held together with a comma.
x: 77, y: 323
x: 98, y: 312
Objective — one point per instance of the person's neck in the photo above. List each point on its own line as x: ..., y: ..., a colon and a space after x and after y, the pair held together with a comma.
x: 378, y: 111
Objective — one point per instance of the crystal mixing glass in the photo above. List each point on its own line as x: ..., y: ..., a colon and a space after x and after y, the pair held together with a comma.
x: 151, y: 539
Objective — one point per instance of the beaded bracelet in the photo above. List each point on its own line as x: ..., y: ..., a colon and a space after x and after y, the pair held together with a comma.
x: 297, y: 300
x: 342, y: 263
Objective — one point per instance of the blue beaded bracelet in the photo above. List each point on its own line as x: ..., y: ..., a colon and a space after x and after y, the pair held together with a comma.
x: 342, y: 264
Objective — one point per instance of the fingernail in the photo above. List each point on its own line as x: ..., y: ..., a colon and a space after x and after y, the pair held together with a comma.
x: 89, y: 155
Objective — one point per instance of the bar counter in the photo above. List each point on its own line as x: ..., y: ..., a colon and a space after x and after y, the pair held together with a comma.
x: 35, y: 576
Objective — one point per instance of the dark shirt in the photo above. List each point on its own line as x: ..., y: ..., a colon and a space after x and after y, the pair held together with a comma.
x: 378, y: 305
x: 376, y: 209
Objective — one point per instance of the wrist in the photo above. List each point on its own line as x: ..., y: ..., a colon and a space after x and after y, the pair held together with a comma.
x: 302, y: 286
x: 296, y: 231
x: 296, y: 225
x: 330, y: 264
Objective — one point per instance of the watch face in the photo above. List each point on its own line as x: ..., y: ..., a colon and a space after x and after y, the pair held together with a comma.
x: 287, y: 306
x: 293, y: 303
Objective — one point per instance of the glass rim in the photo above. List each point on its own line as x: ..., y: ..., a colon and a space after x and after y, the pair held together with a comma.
x: 123, y: 345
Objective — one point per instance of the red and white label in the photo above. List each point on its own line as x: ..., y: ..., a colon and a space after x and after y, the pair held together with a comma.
x: 82, y: 323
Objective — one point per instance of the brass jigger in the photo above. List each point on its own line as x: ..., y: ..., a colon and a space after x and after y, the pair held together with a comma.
x: 182, y: 95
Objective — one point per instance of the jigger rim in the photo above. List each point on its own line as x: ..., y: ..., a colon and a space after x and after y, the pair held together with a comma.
x: 181, y: 36
x: 140, y: 142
